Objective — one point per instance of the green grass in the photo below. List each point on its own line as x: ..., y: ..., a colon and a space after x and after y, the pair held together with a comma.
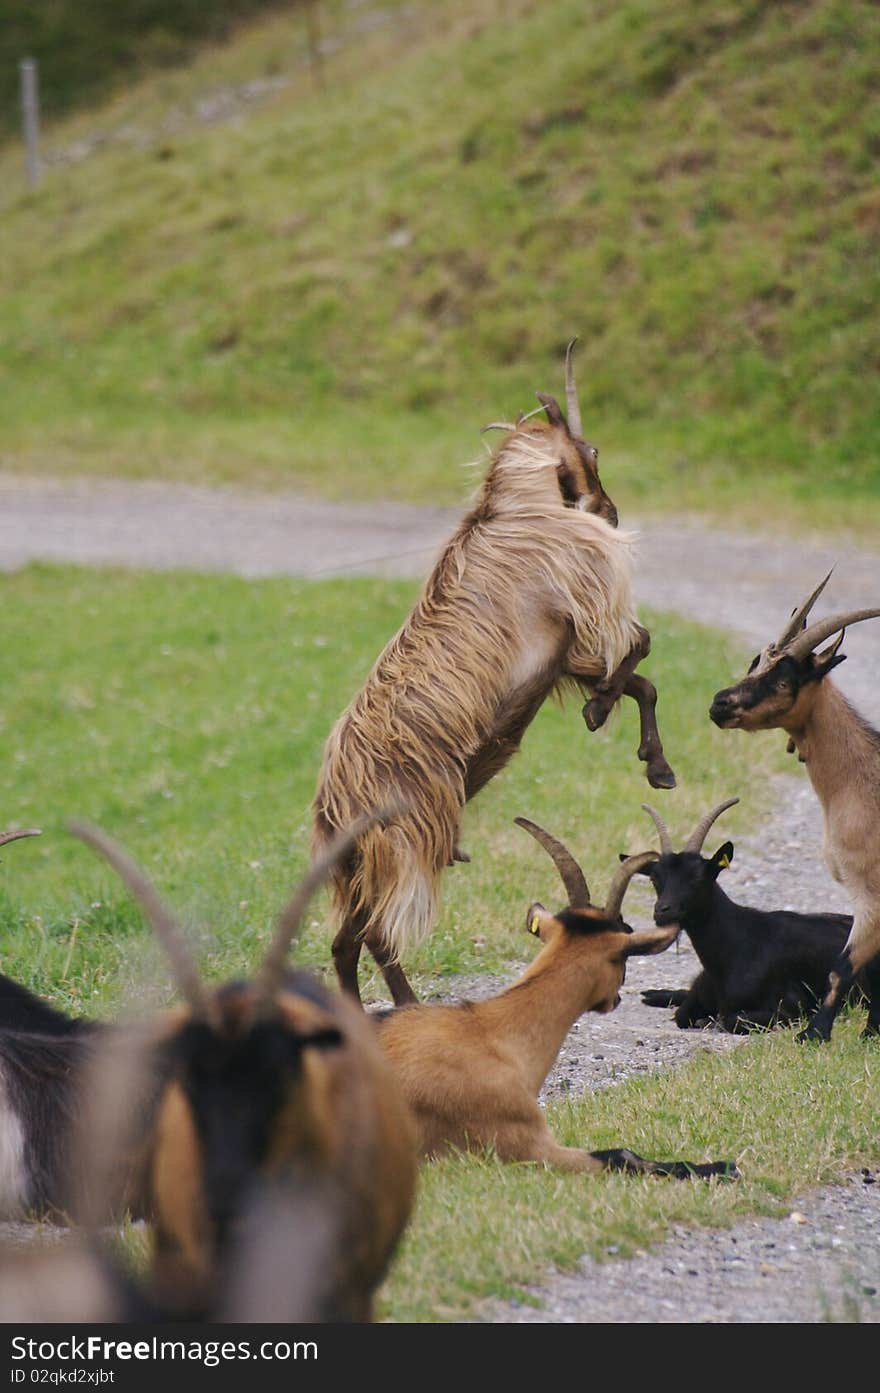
x: 335, y: 291
x: 188, y: 715
x: 791, y: 1116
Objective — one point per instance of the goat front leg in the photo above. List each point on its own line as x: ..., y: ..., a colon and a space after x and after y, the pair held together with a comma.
x: 543, y: 1146
x: 659, y: 772
x: 570, y: 1158
x: 624, y: 681
x: 621, y: 1159
x: 654, y: 997
x: 609, y: 689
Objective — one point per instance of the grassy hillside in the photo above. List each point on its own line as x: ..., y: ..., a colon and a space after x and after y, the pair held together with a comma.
x: 334, y: 288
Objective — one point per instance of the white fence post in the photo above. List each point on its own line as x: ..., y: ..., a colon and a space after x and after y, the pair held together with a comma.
x: 30, y: 110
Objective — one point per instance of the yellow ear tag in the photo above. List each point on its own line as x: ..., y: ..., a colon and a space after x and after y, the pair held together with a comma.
x: 724, y: 862
x: 535, y: 926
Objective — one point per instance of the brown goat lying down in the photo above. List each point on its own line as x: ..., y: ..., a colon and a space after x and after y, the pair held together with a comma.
x: 531, y: 595
x: 471, y: 1072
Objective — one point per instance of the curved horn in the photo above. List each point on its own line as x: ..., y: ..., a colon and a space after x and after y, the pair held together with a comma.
x: 573, y: 877
x: 622, y: 877
x: 666, y: 846
x: 799, y: 616
x: 804, y: 643
x: 700, y: 832
x: 14, y: 836
x: 500, y: 425
x: 571, y: 397
x: 164, y: 925
x: 271, y: 973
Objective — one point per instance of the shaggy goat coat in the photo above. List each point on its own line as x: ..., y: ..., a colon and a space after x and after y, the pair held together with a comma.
x: 527, y: 594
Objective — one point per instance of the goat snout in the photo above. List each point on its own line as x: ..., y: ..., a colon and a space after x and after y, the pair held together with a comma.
x: 724, y: 708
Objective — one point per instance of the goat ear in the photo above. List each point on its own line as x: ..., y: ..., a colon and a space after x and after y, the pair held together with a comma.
x: 539, y: 920
x: 722, y: 858
x: 651, y: 941
x: 643, y: 870
x: 822, y: 665
x: 551, y: 406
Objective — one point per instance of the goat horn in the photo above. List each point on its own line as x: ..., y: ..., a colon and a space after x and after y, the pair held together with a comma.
x: 164, y: 925
x: 622, y: 877
x: 573, y: 877
x: 799, y: 616
x: 14, y: 836
x: 662, y: 830
x: 804, y: 643
x: 271, y: 973
x: 701, y: 831
x: 571, y: 397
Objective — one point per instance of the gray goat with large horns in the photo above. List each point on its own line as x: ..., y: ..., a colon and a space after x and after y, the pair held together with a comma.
x: 787, y: 687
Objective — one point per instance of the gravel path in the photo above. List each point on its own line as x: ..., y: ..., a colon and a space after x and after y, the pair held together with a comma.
x: 824, y: 1261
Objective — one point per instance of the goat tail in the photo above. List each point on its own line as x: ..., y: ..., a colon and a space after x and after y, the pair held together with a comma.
x: 390, y: 882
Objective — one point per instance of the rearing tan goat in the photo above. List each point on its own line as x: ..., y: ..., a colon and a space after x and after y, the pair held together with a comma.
x: 532, y: 593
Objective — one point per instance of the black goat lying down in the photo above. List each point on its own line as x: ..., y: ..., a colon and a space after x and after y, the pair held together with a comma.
x: 21, y: 1010
x: 760, y: 967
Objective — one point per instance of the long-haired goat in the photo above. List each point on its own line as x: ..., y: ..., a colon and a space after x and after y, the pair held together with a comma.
x: 759, y: 967
x: 787, y: 687
x: 531, y: 594
x: 471, y: 1072
x: 258, y: 1084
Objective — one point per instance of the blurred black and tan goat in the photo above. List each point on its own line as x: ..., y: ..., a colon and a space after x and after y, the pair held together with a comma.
x: 787, y: 687
x: 266, y: 1108
x: 531, y: 595
x: 471, y: 1072
x: 263, y: 1082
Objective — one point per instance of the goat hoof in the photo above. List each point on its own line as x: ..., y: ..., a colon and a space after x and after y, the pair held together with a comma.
x: 812, y: 1034
x: 459, y: 855
x: 596, y: 713
x: 660, y: 775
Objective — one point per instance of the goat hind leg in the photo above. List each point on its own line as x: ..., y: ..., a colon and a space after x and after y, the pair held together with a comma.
x: 346, y: 954
x: 858, y: 954
x: 872, y: 991
x: 402, y: 993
